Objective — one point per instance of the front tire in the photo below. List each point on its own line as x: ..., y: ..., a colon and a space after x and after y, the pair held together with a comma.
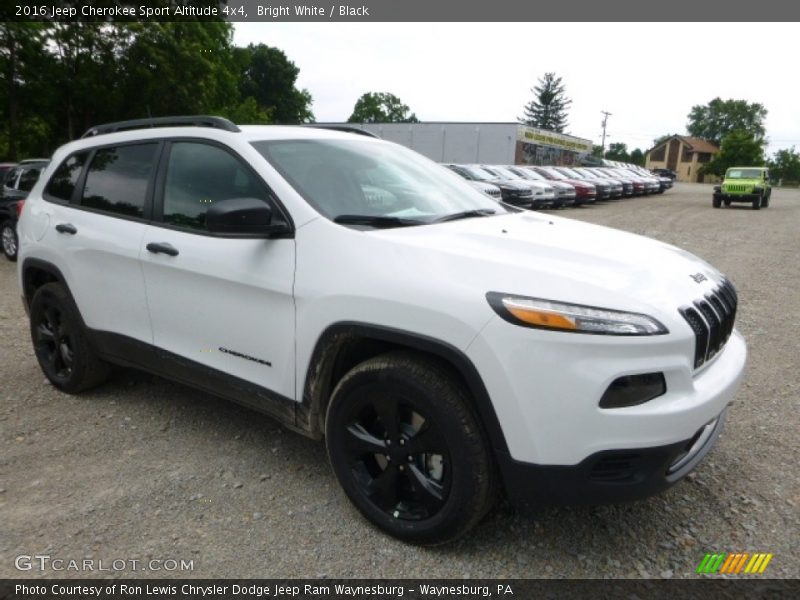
x: 716, y: 202
x: 408, y: 450
x: 60, y: 342
x: 757, y: 202
x: 10, y: 241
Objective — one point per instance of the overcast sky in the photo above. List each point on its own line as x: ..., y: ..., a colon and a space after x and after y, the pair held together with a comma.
x: 648, y: 75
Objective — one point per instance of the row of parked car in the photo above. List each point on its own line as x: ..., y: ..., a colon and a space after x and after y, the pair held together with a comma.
x: 17, y: 180
x: 554, y: 187
x: 520, y: 185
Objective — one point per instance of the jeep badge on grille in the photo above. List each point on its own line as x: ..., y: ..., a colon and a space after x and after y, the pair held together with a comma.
x: 698, y: 277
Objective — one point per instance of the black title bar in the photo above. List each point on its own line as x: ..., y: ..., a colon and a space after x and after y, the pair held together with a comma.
x: 407, y: 11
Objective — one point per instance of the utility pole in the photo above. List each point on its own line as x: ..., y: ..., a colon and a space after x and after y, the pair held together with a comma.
x: 605, y: 120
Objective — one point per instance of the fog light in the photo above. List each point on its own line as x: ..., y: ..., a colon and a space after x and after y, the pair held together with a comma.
x: 631, y: 390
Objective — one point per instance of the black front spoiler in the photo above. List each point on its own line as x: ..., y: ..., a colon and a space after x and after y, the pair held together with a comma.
x: 609, y: 476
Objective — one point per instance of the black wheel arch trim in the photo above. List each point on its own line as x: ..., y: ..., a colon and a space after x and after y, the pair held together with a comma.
x: 316, y: 388
x: 38, y: 264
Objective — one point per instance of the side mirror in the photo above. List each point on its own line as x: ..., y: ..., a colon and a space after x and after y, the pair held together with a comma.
x: 243, y: 216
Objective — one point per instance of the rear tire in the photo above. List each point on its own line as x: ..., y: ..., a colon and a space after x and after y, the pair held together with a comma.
x: 765, y: 203
x: 60, y: 341
x: 10, y: 241
x: 408, y: 450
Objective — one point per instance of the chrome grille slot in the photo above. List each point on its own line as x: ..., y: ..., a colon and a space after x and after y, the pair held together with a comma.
x: 700, y: 329
x: 714, y: 324
x: 712, y: 320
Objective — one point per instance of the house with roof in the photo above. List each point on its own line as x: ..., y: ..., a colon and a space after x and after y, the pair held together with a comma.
x: 684, y: 155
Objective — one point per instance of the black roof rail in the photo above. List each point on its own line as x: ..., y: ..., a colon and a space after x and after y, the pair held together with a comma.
x: 344, y: 128
x: 197, y: 121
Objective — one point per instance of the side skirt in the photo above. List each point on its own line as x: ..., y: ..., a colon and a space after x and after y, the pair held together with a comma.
x: 128, y: 352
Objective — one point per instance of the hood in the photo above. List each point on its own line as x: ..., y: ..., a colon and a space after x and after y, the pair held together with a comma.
x: 580, y: 183
x: 559, y: 259
x: 484, y: 186
x: 560, y: 185
x: 514, y: 184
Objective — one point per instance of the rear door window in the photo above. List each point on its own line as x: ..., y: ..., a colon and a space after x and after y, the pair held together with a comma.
x: 118, y: 178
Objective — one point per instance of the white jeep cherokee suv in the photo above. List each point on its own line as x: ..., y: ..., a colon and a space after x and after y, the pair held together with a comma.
x: 445, y: 346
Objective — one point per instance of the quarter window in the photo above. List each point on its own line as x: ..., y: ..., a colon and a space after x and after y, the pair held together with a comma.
x: 11, y: 178
x: 62, y: 184
x: 198, y: 175
x: 29, y: 178
x: 117, y: 179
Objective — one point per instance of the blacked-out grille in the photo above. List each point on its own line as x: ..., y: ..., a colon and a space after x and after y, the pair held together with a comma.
x: 711, y: 318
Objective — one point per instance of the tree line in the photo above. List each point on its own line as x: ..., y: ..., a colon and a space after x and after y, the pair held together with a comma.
x: 59, y: 79
x: 736, y: 126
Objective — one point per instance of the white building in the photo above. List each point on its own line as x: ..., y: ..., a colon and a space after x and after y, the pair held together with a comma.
x: 489, y: 143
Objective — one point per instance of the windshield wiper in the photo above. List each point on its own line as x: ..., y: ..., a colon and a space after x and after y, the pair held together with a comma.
x: 481, y: 212
x: 376, y: 221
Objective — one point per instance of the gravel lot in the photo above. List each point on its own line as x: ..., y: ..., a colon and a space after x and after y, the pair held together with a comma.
x: 145, y: 469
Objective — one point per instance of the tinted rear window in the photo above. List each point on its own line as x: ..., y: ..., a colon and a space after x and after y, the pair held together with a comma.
x: 29, y: 178
x: 117, y: 179
x: 62, y: 184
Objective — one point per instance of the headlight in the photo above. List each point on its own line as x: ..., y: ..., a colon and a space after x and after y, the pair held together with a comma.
x: 573, y: 318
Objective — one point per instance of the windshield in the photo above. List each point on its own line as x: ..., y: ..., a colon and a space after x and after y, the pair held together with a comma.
x: 529, y: 174
x: 743, y: 174
x: 571, y: 173
x: 503, y: 172
x: 551, y: 172
x: 369, y: 179
x: 476, y: 174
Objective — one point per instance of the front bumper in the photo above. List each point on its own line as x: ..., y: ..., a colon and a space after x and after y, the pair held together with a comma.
x: 722, y: 196
x: 565, y: 201
x: 516, y: 200
x: 609, y: 476
x: 585, y: 198
x: 546, y: 389
x: 544, y: 200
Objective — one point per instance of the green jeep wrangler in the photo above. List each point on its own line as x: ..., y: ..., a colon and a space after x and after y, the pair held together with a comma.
x: 744, y: 184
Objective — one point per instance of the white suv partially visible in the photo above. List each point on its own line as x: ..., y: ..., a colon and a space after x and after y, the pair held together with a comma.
x: 447, y: 347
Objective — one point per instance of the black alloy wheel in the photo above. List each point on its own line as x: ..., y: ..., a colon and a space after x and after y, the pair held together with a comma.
x: 60, y: 343
x: 407, y: 449
x: 53, y: 341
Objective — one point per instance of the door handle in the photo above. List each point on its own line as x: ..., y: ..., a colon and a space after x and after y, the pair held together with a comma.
x: 66, y: 228
x: 162, y: 248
